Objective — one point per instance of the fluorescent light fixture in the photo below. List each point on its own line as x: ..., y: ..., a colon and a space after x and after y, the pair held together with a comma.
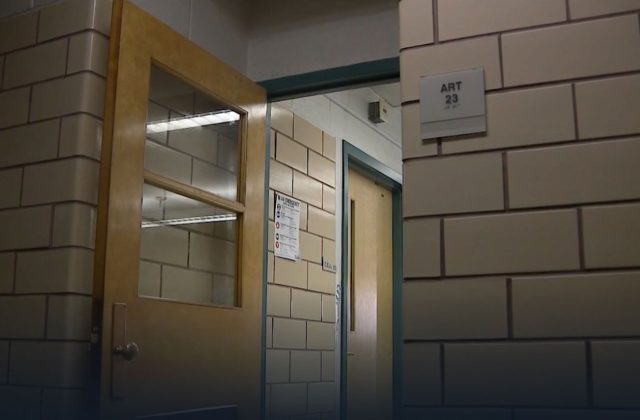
x: 188, y: 220
x: 198, y: 120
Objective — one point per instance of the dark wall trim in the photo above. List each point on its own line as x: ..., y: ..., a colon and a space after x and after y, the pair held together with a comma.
x: 355, y: 158
x: 353, y: 75
x: 265, y: 266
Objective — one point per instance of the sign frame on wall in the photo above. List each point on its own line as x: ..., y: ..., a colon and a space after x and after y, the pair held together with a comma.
x: 286, y: 238
x: 452, y: 104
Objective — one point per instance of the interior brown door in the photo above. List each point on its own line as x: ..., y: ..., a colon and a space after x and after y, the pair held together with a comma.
x: 180, y: 236
x: 369, y: 339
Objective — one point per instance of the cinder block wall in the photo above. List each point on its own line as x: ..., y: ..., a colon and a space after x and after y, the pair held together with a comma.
x: 52, y: 75
x: 522, y: 245
x: 300, y: 295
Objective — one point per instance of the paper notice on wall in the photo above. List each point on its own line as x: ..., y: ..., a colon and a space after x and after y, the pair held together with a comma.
x: 287, y: 228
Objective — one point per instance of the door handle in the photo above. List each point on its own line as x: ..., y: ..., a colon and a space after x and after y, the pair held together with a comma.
x: 128, y: 351
x: 122, y: 351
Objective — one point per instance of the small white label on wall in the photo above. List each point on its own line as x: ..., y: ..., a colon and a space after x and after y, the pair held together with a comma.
x: 328, y: 265
x: 452, y: 104
x: 287, y: 228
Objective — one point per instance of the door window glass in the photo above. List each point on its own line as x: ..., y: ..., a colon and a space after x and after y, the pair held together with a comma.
x: 190, y: 137
x: 188, y: 249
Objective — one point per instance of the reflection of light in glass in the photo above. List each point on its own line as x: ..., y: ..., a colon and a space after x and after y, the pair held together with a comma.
x: 188, y: 220
x: 199, y: 120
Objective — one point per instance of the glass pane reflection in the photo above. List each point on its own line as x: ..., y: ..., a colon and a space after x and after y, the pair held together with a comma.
x: 188, y: 249
x: 191, y: 138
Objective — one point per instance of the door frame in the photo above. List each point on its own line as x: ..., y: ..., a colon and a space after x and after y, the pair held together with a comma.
x: 352, y: 157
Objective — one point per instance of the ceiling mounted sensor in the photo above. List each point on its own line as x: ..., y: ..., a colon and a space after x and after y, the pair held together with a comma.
x: 378, y: 111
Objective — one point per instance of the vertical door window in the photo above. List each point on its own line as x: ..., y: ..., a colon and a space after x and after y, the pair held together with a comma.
x: 191, y: 204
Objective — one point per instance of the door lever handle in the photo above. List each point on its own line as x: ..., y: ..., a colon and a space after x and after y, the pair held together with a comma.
x: 128, y: 351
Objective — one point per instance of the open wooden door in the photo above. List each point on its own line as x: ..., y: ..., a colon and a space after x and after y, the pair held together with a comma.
x: 370, y: 300
x: 180, y: 229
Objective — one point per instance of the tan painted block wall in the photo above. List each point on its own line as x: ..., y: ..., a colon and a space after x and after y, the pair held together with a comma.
x: 522, y: 244
x: 301, y: 295
x: 51, y: 100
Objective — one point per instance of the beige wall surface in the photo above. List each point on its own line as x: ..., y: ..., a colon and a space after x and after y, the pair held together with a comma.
x: 301, y: 303
x: 522, y: 244
x: 51, y: 99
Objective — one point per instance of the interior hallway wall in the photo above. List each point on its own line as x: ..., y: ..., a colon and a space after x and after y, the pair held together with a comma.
x: 271, y: 39
x: 301, y: 299
x: 53, y: 64
x: 291, y: 37
x: 218, y: 26
x: 522, y: 270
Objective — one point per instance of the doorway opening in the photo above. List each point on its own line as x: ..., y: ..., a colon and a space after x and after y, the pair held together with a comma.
x: 312, y: 138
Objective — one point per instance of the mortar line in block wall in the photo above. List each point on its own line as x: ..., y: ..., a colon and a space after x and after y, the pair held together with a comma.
x: 15, y: 273
x: 567, y: 9
x: 46, y: 316
x: 576, y: 124
x: 436, y: 23
x: 57, y: 38
x: 548, y: 83
x: 59, y: 140
x: 522, y: 210
x: 47, y: 387
x: 66, y: 62
x: 318, y: 321
x: 52, y: 226
x: 443, y: 271
x: 21, y: 194
x: 577, y: 408
x: 556, y: 273
x: 29, y: 103
x: 500, y: 60
x: 53, y: 79
x: 580, y: 238
x: 43, y: 120
x: 189, y: 252
x: 302, y: 289
x: 53, y: 160
x: 521, y: 29
x: 44, y: 294
x: 52, y: 203
x: 303, y: 173
x: 589, y: 372
x: 505, y: 181
x: 517, y: 340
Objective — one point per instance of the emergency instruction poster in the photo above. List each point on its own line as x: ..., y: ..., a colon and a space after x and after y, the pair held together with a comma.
x: 287, y: 227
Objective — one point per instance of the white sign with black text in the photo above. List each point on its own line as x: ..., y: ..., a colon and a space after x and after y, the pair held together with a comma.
x: 287, y: 228
x: 452, y: 104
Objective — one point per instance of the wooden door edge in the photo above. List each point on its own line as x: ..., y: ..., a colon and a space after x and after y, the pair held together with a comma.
x: 97, y: 314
